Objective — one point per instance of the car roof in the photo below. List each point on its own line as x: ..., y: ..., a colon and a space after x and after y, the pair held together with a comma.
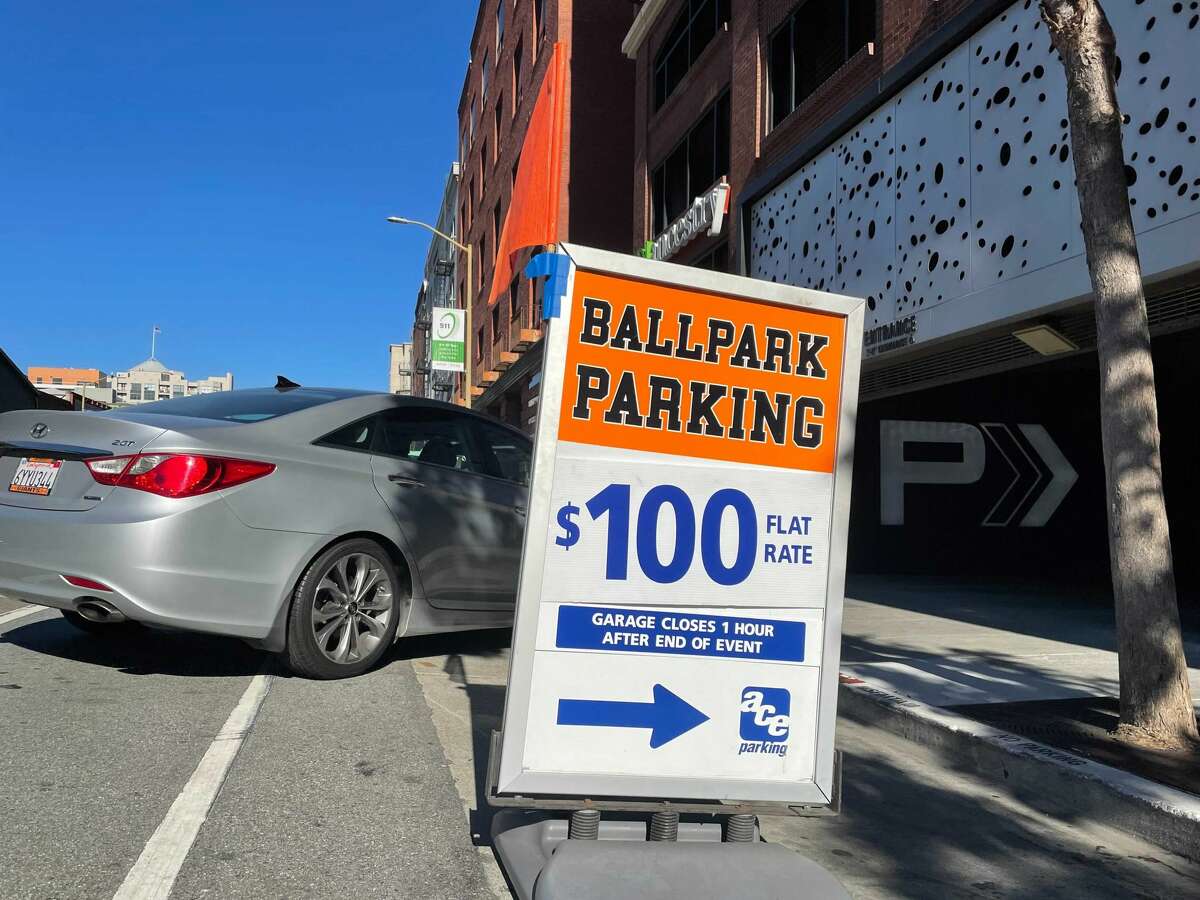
x: 399, y: 399
x: 327, y: 402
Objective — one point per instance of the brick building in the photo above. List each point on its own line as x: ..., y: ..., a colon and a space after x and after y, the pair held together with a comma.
x: 707, y: 107
x: 510, y: 51
x: 917, y: 153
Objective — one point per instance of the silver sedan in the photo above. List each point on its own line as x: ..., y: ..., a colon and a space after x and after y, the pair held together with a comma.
x: 321, y: 524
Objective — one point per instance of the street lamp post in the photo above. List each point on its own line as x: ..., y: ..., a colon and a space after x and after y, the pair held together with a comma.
x: 467, y: 360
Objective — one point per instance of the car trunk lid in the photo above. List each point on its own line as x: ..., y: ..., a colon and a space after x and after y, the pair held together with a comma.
x: 65, y: 439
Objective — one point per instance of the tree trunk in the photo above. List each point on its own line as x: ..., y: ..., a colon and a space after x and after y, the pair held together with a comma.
x: 1155, y: 697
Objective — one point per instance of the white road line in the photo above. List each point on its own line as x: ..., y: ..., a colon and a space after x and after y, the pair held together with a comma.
x: 20, y: 614
x: 154, y: 873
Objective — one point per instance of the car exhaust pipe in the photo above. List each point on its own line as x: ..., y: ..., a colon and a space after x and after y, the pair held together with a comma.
x: 95, y: 610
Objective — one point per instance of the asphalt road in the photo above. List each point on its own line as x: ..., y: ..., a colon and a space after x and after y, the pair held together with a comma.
x: 373, y: 787
x: 340, y: 789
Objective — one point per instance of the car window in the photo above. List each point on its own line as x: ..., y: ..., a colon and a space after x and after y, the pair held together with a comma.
x: 355, y: 436
x: 427, y: 435
x: 505, y: 455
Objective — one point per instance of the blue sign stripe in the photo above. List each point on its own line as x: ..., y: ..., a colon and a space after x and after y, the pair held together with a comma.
x: 687, y: 634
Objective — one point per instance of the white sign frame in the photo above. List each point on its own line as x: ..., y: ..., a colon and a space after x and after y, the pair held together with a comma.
x: 514, y: 776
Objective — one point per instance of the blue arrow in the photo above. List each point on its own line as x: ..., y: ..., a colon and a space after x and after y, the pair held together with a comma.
x: 667, y: 716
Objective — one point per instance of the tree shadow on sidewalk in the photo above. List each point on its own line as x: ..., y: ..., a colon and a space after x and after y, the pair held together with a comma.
x: 1073, y: 614
x: 974, y: 675
x: 903, y: 832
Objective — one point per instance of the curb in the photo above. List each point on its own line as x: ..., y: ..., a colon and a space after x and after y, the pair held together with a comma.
x: 1054, y: 781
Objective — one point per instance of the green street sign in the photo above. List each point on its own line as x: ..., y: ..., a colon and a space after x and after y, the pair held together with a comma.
x: 447, y: 346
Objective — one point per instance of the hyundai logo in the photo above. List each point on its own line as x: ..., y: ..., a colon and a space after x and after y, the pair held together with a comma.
x: 39, y: 430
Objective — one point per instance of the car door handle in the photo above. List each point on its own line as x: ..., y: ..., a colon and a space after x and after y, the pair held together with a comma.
x: 520, y: 510
x: 406, y: 481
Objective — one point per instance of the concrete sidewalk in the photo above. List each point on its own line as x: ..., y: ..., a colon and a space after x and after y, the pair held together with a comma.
x: 949, y: 643
x: 992, y: 676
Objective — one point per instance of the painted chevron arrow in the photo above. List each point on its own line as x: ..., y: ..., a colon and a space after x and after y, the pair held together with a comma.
x: 1026, y: 473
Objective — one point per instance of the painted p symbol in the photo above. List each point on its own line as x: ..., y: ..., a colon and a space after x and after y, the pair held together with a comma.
x: 895, y: 470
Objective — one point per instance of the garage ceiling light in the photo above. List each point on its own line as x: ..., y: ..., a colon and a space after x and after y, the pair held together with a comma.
x: 1045, y: 340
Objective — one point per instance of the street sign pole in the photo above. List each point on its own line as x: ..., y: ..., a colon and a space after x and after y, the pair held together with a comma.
x: 678, y: 620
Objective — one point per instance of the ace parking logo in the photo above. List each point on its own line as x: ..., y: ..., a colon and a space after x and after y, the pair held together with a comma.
x: 765, y: 720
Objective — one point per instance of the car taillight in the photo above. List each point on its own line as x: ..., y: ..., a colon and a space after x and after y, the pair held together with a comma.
x: 86, y: 583
x: 176, y: 474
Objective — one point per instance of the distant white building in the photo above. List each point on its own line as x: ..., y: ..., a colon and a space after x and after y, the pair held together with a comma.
x: 400, y: 368
x: 151, y: 380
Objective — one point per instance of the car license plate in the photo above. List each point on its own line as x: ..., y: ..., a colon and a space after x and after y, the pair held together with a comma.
x: 35, y: 476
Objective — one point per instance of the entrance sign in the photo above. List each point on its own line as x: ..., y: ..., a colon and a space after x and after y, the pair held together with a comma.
x: 679, y: 613
x: 446, y: 340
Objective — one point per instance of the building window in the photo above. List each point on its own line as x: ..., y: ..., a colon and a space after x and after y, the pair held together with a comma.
x: 816, y: 40
x: 539, y: 16
x: 499, y: 24
x: 495, y: 228
x: 135, y: 392
x: 484, y: 71
x: 472, y: 121
x: 499, y: 119
x: 716, y: 260
x: 517, y: 54
x: 479, y: 338
x: 695, y: 28
x: 496, y: 322
x: 695, y: 165
x: 514, y: 299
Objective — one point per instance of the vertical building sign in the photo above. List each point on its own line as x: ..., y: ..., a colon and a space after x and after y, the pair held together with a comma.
x: 679, y: 614
x: 447, y: 340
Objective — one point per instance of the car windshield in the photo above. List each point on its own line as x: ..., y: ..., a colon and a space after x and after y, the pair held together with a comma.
x: 240, y: 406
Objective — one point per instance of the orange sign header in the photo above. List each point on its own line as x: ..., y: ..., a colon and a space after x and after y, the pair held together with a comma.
x: 678, y: 371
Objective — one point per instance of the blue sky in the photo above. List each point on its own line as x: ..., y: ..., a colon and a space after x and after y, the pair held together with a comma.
x: 222, y: 168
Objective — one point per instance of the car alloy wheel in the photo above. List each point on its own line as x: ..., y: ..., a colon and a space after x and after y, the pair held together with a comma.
x: 352, y: 608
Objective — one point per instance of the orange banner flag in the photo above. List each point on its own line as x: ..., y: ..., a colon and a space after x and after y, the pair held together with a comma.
x: 532, y: 217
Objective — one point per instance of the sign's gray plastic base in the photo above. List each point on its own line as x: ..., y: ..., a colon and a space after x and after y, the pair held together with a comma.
x: 543, y: 864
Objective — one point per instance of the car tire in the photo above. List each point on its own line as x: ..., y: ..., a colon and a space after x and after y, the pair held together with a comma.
x: 345, y: 611
x: 104, y: 629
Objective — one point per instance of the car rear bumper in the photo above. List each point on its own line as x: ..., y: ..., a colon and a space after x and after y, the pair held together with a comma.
x: 187, y: 564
